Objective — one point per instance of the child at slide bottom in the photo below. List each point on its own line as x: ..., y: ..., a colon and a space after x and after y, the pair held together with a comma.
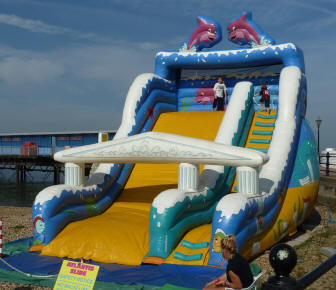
x: 238, y: 273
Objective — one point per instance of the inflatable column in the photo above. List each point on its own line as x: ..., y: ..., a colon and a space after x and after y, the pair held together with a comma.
x: 188, y: 176
x: 247, y: 180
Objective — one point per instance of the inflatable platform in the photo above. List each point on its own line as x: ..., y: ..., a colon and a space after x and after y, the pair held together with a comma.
x: 178, y: 177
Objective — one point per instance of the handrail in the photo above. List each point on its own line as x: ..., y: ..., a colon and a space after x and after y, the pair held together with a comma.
x: 42, y: 150
x: 283, y: 267
x: 323, y: 268
x: 328, y: 164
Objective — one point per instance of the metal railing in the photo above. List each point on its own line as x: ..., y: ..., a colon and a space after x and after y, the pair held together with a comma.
x: 320, y: 270
x: 328, y: 163
x: 41, y: 150
x: 284, y: 265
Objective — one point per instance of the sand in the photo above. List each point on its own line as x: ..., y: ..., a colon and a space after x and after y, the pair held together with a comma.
x: 17, y: 225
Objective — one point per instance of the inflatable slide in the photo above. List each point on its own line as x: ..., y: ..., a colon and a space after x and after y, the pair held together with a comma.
x: 178, y: 177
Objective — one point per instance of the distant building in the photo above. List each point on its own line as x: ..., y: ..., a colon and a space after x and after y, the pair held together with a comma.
x: 49, y: 142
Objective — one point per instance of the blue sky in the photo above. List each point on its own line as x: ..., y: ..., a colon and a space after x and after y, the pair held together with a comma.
x: 67, y: 65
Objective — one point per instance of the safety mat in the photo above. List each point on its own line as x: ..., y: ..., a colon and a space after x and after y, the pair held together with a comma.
x: 133, y: 277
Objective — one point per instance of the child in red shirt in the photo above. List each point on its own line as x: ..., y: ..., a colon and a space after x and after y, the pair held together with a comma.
x: 265, y: 98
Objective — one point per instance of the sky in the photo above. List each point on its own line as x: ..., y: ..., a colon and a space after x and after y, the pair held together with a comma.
x: 67, y: 65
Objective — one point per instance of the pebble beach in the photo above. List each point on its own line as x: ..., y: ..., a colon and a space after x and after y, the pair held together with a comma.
x: 17, y: 225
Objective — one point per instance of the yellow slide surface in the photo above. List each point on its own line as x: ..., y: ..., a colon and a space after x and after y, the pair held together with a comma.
x: 121, y: 233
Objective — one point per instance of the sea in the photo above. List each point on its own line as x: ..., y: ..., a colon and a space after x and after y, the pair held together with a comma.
x: 22, y: 195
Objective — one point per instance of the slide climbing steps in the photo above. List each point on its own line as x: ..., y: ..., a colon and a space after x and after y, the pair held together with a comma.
x: 194, y: 247
x: 260, y: 134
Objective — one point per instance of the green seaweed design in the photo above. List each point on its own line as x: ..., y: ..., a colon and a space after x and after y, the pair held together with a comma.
x: 279, y: 235
x: 186, y: 105
x: 299, y: 210
x: 91, y: 206
x: 37, y: 242
x: 70, y: 212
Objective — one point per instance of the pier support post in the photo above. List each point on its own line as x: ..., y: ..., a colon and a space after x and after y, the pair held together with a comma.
x: 17, y: 174
x: 24, y: 169
x: 56, y: 174
x: 21, y: 173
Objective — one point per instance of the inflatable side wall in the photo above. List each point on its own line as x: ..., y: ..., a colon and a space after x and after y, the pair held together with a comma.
x: 247, y: 216
x: 56, y: 206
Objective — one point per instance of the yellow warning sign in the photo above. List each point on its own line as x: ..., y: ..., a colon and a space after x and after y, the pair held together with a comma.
x: 76, y: 276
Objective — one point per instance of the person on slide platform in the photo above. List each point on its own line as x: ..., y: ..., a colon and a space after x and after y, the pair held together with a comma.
x: 220, y: 93
x: 265, y: 98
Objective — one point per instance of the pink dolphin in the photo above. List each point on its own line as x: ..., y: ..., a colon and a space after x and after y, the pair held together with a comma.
x: 240, y: 29
x: 204, y: 95
x: 205, y: 31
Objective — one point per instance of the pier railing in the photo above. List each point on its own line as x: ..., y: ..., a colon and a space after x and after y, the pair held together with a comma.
x: 40, y: 151
x: 328, y: 163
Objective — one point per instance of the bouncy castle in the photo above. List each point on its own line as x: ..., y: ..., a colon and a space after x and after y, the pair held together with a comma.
x: 178, y: 177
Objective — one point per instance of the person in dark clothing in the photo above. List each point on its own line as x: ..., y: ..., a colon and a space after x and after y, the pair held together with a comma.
x: 220, y: 94
x: 238, y: 273
x: 265, y: 98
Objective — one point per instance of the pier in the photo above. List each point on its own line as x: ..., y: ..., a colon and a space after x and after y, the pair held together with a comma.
x: 28, y: 152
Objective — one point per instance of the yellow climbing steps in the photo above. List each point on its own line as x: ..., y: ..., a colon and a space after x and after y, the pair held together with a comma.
x: 260, y: 134
x: 193, y: 249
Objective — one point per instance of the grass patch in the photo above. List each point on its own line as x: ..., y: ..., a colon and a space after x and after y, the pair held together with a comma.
x: 305, y: 243
x: 18, y: 227
x: 327, y: 233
